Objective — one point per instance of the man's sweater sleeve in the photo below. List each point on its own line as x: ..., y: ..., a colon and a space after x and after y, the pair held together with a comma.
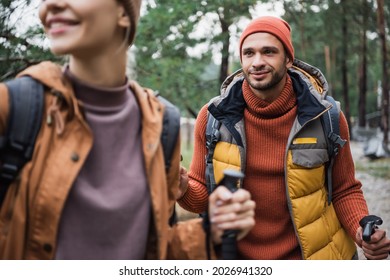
x: 348, y: 199
x: 196, y: 197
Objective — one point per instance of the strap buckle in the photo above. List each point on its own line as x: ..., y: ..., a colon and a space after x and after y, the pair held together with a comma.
x: 9, y: 171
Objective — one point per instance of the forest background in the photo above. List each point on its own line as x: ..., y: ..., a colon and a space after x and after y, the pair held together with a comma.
x: 185, y: 49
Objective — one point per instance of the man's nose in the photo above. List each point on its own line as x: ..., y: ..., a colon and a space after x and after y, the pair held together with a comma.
x: 258, y: 60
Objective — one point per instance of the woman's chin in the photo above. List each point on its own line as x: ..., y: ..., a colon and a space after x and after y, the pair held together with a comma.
x: 59, y: 50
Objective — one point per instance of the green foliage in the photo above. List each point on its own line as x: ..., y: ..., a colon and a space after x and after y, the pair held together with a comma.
x: 180, y: 44
x: 167, y: 34
x: 18, y: 50
x: 317, y: 24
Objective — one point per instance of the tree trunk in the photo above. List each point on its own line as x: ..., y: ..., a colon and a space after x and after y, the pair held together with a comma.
x: 302, y: 31
x: 344, y: 67
x: 363, y: 70
x: 225, y: 51
x: 385, y: 87
x: 328, y: 69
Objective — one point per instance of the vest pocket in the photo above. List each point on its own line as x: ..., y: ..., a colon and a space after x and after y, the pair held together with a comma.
x: 309, y: 157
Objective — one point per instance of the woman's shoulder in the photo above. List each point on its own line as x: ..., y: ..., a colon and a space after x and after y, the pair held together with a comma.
x: 42, y: 70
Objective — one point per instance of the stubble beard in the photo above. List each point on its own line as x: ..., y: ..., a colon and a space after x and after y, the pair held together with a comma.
x: 265, y: 86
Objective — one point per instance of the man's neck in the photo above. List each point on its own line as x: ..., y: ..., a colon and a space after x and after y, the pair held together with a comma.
x: 270, y: 95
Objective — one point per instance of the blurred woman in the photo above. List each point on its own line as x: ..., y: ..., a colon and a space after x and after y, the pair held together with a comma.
x: 96, y: 187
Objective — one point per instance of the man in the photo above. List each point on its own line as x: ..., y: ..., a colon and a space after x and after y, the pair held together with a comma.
x: 271, y: 130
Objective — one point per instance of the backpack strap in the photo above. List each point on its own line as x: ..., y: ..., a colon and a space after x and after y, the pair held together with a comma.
x: 169, y: 135
x: 335, y: 142
x: 24, y: 121
x: 170, y: 130
x: 212, y: 137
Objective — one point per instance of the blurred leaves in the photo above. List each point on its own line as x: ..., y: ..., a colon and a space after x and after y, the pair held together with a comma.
x: 18, y: 50
x: 184, y: 48
x: 178, y: 46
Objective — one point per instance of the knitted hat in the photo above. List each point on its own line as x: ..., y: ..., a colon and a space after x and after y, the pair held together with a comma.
x: 132, y: 7
x: 273, y: 25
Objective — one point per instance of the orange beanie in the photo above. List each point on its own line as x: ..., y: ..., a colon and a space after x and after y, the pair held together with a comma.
x: 273, y: 25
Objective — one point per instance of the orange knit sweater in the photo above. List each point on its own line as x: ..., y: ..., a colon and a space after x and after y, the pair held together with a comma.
x: 267, y: 128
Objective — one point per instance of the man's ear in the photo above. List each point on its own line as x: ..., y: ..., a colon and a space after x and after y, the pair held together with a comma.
x: 123, y: 18
x: 289, y: 62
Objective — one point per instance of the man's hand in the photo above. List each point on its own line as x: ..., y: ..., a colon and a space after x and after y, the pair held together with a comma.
x: 229, y: 210
x: 377, y: 248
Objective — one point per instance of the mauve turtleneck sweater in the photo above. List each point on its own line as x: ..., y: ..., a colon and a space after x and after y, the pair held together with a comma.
x: 107, y: 212
x: 267, y: 127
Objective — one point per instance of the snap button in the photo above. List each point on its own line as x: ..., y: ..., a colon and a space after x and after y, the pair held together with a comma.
x: 75, y: 157
x: 47, y: 247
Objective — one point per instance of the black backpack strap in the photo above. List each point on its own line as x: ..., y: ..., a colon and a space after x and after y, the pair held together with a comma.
x: 170, y: 130
x: 17, y: 145
x: 169, y: 136
x: 335, y: 142
x: 212, y: 138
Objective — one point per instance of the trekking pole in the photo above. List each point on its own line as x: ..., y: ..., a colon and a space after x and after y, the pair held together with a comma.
x: 229, y: 242
x: 369, y: 224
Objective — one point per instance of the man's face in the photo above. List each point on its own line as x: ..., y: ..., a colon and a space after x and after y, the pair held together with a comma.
x: 264, y: 63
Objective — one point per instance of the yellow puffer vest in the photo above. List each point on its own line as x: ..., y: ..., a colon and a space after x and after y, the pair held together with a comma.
x: 320, y: 234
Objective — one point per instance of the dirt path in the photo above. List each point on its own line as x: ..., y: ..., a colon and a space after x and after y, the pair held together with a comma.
x: 376, y: 191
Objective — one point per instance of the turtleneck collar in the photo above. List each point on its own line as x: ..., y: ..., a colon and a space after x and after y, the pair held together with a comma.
x: 283, y: 103
x: 97, y: 96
